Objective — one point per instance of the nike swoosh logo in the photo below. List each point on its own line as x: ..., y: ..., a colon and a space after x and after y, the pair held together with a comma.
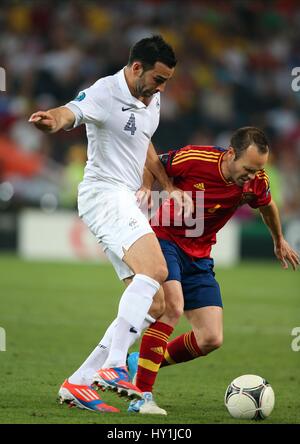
x: 133, y: 330
x: 126, y: 109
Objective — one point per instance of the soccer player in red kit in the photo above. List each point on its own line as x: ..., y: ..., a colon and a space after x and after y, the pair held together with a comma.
x: 229, y: 178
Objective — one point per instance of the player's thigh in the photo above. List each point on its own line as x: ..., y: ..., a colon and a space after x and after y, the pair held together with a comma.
x: 172, y: 286
x: 119, y: 225
x: 207, y: 324
x: 144, y: 256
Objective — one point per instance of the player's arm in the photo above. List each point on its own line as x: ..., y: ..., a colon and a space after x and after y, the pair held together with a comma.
x: 53, y: 120
x: 283, y: 251
x: 144, y: 193
x: 148, y: 179
x: 157, y: 169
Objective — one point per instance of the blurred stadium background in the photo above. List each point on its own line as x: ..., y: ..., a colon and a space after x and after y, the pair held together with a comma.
x: 235, y: 64
x: 235, y: 68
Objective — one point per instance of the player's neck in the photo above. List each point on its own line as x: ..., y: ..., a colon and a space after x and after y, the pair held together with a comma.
x: 130, y: 82
x: 225, y: 169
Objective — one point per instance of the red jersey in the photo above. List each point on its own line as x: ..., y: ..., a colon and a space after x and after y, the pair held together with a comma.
x: 199, y: 168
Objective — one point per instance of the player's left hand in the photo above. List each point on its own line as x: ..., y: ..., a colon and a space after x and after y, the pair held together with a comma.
x: 285, y: 253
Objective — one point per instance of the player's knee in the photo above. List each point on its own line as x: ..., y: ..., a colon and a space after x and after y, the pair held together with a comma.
x: 157, y: 308
x: 211, y: 342
x: 173, y: 312
x: 160, y: 273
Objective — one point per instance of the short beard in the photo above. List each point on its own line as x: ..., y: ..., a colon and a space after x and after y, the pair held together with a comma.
x: 138, y: 91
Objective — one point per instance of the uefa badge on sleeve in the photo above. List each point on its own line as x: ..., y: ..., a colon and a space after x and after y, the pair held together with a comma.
x: 80, y: 97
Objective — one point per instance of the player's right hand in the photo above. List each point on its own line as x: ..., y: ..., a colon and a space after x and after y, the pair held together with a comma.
x: 285, y: 254
x: 44, y: 121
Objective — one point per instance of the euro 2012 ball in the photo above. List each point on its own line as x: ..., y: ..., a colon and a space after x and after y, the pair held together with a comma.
x: 249, y: 397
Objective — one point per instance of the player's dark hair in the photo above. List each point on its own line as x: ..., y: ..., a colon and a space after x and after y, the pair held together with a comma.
x: 150, y: 50
x: 246, y: 136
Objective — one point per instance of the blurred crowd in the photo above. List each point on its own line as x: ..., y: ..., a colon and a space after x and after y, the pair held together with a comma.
x: 235, y: 61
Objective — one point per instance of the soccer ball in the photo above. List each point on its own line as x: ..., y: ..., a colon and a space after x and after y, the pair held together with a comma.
x: 249, y: 397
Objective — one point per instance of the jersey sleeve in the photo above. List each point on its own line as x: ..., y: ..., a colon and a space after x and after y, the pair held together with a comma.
x: 172, y: 168
x: 92, y: 105
x: 262, y: 192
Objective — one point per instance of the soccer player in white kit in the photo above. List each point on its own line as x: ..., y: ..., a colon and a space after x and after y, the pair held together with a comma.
x: 121, y: 114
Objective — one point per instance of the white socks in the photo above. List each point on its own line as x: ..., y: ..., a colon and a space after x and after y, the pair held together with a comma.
x: 133, y: 308
x: 85, y: 374
x: 137, y: 299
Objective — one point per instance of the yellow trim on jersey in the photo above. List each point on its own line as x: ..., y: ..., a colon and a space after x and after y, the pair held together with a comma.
x: 193, y: 157
x: 168, y: 358
x: 149, y: 365
x: 208, y: 153
x: 263, y: 178
x: 220, y: 170
x: 203, y: 153
x: 262, y: 175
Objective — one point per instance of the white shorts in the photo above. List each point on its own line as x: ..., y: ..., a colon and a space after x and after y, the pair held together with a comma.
x: 112, y: 215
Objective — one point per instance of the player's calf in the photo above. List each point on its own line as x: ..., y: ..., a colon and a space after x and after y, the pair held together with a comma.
x: 158, y: 305
x: 174, y: 302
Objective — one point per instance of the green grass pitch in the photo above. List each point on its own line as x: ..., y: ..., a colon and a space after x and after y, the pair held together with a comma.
x: 55, y: 313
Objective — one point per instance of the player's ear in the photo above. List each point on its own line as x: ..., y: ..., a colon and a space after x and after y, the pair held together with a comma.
x: 137, y: 68
x: 231, y: 153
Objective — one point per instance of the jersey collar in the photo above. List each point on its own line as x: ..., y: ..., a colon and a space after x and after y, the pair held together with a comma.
x: 220, y: 170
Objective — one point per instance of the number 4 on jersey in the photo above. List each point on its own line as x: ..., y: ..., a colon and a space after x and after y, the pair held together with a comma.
x: 130, y: 125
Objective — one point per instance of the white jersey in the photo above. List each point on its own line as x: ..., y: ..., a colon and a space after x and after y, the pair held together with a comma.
x: 119, y: 129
